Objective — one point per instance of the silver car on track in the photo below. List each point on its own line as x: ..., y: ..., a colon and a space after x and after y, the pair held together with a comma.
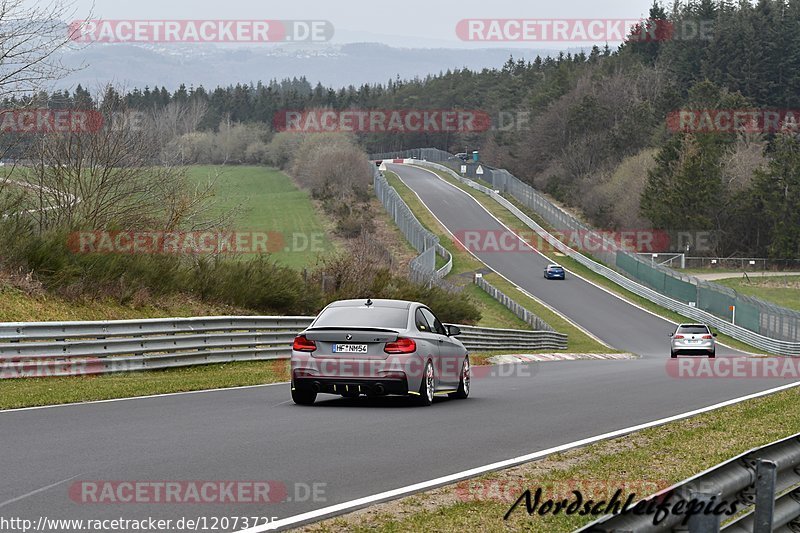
x: 693, y: 339
x: 376, y: 348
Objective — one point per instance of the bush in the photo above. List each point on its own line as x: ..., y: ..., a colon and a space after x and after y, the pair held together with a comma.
x: 362, y: 275
x: 258, y: 284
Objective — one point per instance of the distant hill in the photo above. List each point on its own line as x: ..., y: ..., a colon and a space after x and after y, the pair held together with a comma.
x: 215, y: 65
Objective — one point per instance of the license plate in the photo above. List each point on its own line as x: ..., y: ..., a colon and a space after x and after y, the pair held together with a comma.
x: 350, y: 348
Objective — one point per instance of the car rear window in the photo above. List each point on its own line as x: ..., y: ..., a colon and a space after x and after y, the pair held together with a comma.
x: 692, y: 329
x: 363, y: 317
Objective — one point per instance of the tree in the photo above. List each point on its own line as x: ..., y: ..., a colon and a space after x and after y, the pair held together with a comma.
x: 683, y: 190
x: 778, y: 189
x: 111, y: 177
x: 29, y: 43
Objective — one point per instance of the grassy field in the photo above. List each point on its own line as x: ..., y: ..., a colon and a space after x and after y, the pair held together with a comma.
x: 30, y: 392
x: 17, y: 305
x: 266, y: 199
x: 780, y: 290
x: 577, y: 341
x: 570, y: 264
x: 640, y: 463
x: 494, y: 314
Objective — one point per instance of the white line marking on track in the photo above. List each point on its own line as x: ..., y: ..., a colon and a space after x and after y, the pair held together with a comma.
x: 139, y: 397
x: 352, y: 505
x: 590, y: 282
x: 526, y: 293
x: 37, y: 491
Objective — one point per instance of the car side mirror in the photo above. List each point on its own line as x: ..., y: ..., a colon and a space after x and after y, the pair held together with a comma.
x: 452, y: 331
x: 670, y: 334
x: 714, y: 334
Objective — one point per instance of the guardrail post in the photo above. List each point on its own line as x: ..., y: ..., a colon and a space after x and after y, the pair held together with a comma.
x: 704, y: 523
x: 766, y: 474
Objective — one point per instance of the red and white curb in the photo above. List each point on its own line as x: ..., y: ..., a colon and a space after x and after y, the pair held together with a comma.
x: 543, y: 357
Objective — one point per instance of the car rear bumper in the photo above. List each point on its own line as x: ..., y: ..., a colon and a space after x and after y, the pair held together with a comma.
x: 332, y: 385
x: 554, y: 276
x: 693, y: 349
x: 397, y: 374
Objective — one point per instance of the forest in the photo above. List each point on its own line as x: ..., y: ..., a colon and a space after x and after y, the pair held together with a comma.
x: 597, y: 134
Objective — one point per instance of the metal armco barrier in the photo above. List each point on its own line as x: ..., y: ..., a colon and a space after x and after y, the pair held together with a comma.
x: 518, y: 309
x: 759, y: 316
x: 775, y: 346
x: 764, y: 482
x: 423, y: 267
x: 33, y: 349
x: 476, y: 338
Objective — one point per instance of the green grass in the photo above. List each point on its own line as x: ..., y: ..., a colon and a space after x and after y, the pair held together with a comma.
x: 708, y: 270
x: 572, y: 265
x: 780, y: 290
x: 642, y: 463
x: 31, y: 392
x: 17, y: 305
x: 266, y: 199
x: 577, y: 340
x: 493, y: 313
x: 28, y: 392
x: 463, y: 262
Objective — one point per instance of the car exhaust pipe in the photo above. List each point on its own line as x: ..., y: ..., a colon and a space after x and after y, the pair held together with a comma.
x: 316, y: 386
x: 379, y: 389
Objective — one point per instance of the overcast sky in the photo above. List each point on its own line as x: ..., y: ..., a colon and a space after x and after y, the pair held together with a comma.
x: 402, y: 23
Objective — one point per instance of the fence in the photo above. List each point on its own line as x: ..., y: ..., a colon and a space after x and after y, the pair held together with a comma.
x: 475, y: 338
x: 39, y: 349
x: 428, y: 154
x: 743, y: 264
x: 519, y: 310
x: 757, y: 316
x: 694, y: 312
x: 752, y: 480
x: 423, y: 267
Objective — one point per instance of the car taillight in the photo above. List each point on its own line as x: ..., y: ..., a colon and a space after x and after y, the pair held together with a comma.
x: 707, y: 337
x: 302, y: 344
x: 678, y: 336
x: 401, y: 345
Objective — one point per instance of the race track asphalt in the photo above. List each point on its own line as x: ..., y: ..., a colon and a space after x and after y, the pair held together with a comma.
x: 355, y: 448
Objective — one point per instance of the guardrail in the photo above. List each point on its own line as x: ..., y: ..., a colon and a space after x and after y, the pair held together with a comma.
x: 765, y: 483
x: 38, y: 349
x: 476, y: 338
x: 775, y: 346
x: 516, y: 308
x: 423, y: 267
x: 751, y: 313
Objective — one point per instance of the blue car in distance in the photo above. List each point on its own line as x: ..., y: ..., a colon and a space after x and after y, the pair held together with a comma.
x: 554, y: 272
